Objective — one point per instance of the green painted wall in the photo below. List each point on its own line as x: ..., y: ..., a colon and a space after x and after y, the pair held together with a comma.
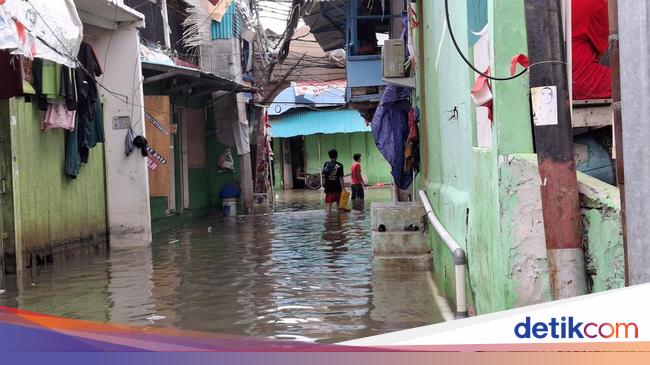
x: 277, y: 162
x: 158, y: 206
x: 50, y: 208
x: 475, y: 196
x: 205, y: 183
x: 374, y: 166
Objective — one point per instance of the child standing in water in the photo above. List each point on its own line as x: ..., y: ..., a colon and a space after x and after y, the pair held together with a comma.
x: 333, y: 175
x: 357, y: 182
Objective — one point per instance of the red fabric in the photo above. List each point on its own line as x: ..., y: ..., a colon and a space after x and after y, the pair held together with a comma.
x: 356, y: 173
x: 520, y: 59
x: 413, y: 127
x: 333, y: 197
x: 479, y: 84
x: 590, y: 31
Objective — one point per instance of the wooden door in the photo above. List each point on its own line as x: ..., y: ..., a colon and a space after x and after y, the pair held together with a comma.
x: 159, y: 135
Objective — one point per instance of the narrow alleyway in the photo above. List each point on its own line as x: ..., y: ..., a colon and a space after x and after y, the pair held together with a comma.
x: 294, y: 274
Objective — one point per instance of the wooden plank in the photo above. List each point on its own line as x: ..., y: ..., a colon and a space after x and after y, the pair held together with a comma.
x: 599, y: 116
x: 159, y: 107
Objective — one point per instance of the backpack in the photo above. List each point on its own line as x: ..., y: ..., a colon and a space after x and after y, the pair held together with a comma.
x: 329, y: 168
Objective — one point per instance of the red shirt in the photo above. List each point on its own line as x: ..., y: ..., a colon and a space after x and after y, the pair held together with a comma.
x: 591, y: 23
x: 356, y: 173
x: 591, y: 80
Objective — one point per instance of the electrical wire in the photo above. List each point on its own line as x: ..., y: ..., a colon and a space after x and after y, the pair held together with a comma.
x: 460, y: 53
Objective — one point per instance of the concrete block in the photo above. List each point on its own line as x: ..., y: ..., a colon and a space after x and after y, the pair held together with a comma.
x: 395, y: 216
x: 393, y: 243
x: 403, y: 263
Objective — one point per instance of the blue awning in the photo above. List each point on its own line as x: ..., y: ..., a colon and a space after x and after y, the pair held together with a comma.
x: 306, y: 122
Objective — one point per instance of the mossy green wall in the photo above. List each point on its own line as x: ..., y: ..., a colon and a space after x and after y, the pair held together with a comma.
x: 50, y: 208
x: 467, y: 185
x: 374, y: 166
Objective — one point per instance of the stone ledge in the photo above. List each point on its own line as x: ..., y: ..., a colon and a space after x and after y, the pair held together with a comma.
x: 403, y: 263
x: 387, y: 243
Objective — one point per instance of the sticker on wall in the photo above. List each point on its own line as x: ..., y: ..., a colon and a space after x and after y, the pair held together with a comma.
x: 544, y: 101
x: 156, y: 123
x: 151, y: 164
x: 160, y: 158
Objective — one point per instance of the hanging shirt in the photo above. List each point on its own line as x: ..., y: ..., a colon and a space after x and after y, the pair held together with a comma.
x: 89, y: 121
x: 58, y: 116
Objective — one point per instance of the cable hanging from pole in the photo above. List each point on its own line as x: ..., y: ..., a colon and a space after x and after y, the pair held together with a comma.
x: 460, y: 53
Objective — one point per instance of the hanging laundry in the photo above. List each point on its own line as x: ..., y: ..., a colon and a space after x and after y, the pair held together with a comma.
x: 129, y: 147
x: 142, y: 144
x: 11, y: 75
x: 58, y: 116
x: 89, y: 121
x: 47, y: 81
x: 72, y: 157
x: 68, y: 88
x: 412, y: 151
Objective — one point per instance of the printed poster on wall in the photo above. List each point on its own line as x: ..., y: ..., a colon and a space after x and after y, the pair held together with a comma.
x: 544, y: 100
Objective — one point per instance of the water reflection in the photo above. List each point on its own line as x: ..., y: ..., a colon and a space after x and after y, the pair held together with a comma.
x: 296, y: 273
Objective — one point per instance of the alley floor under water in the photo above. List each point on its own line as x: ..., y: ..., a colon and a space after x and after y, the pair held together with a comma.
x: 295, y: 273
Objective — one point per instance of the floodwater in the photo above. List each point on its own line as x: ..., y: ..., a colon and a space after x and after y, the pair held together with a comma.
x: 292, y: 274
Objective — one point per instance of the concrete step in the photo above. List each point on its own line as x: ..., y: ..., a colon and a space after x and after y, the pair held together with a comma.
x: 395, y: 216
x: 396, y: 243
x: 403, y: 263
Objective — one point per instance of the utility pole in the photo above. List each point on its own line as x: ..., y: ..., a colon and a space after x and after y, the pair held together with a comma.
x: 615, y: 66
x: 634, y: 16
x: 165, y: 18
x: 554, y: 144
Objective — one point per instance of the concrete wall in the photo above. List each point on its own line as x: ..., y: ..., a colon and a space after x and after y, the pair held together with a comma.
x: 602, y: 235
x: 50, y: 213
x: 222, y: 57
x: 128, y: 182
x: 487, y: 197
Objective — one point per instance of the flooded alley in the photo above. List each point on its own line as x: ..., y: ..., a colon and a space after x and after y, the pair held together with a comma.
x: 292, y: 274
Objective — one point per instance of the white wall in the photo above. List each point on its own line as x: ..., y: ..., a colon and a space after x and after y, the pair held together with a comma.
x: 129, y: 214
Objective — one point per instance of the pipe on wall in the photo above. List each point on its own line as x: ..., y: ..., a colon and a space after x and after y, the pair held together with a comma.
x: 460, y: 259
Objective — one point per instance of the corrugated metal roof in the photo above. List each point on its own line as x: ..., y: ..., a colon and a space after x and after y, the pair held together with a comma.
x: 302, y: 123
x: 229, y: 25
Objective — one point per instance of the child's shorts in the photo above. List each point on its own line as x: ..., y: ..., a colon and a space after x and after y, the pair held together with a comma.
x: 333, y: 197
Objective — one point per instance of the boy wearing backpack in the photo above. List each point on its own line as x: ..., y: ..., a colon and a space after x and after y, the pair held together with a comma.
x: 333, y: 176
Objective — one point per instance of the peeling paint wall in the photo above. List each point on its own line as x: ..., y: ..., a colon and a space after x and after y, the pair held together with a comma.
x: 522, y: 228
x: 487, y: 198
x: 602, y: 234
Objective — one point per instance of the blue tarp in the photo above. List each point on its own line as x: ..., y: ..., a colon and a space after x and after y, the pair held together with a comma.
x: 306, y: 122
x: 390, y: 128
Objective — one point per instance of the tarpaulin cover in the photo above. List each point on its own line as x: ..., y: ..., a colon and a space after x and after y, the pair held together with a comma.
x: 390, y: 128
x: 307, y: 122
x: 27, y: 26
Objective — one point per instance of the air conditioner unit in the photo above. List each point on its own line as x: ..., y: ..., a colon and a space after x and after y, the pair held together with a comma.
x: 393, y: 58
